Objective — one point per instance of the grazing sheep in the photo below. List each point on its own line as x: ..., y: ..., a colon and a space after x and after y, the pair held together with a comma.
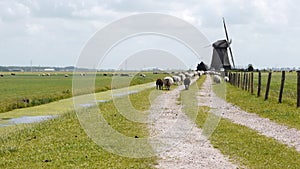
x: 182, y: 76
x: 82, y: 74
x: 217, y: 79
x: 1, y: 75
x: 159, y: 84
x: 143, y: 75
x: 124, y: 74
x: 13, y: 74
x: 226, y: 79
x: 25, y: 100
x: 187, y: 82
x: 168, y: 81
x: 66, y: 75
x: 48, y: 74
x: 176, y: 79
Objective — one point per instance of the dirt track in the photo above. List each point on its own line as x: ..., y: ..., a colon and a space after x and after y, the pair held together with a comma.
x: 281, y: 133
x: 178, y: 142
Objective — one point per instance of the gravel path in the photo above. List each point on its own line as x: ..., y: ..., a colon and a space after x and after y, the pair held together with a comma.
x: 177, y: 141
x: 283, y: 134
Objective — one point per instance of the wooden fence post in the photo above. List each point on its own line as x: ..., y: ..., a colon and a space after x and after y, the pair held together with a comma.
x: 281, y: 87
x: 259, y: 84
x: 268, y: 85
x: 298, y: 88
x: 238, y: 80
x: 246, y: 84
x: 252, y: 83
x: 243, y: 81
x: 249, y: 81
x: 234, y: 79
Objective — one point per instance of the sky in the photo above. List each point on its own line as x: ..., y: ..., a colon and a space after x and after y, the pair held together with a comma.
x: 54, y: 32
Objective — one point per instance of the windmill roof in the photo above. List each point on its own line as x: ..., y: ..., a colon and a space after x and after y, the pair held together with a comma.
x: 220, y: 44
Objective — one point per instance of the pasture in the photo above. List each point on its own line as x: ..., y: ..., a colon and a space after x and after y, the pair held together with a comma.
x: 62, y: 141
x: 15, y: 90
x: 284, y: 113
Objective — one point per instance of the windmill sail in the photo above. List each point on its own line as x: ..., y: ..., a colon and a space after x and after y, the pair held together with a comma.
x: 227, y: 38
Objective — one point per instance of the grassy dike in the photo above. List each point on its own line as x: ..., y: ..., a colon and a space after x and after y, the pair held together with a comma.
x: 244, y: 146
x: 280, y: 113
x: 62, y: 143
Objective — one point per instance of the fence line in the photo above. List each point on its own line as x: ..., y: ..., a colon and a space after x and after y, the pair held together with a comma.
x: 245, y: 81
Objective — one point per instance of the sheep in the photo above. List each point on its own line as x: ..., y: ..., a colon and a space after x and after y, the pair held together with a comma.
x: 159, y: 84
x: 182, y: 76
x: 217, y: 79
x: 176, y: 79
x: 168, y: 81
x: 1, y: 75
x: 13, y: 74
x: 226, y: 79
x: 187, y: 82
x: 66, y: 75
x: 25, y: 100
x: 143, y: 75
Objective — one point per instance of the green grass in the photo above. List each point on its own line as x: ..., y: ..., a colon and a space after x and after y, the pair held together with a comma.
x: 44, y: 89
x: 62, y: 143
x: 245, y: 146
x: 285, y: 113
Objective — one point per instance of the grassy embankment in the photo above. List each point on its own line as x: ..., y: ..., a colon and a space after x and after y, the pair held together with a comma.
x: 245, y: 146
x: 62, y: 143
x: 45, y: 89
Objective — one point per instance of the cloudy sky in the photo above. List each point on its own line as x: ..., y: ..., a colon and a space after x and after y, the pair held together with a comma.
x: 53, y: 32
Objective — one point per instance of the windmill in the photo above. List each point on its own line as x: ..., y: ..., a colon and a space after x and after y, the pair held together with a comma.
x: 220, y: 57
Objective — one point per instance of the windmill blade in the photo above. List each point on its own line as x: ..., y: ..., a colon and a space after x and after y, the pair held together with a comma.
x: 229, y: 42
x: 231, y: 57
x: 226, y: 33
x: 206, y: 46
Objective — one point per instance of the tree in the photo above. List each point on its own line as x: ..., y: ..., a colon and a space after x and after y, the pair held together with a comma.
x: 201, y: 67
x: 250, y: 68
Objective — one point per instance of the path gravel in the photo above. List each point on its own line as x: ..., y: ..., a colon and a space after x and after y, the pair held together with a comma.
x: 284, y: 134
x: 177, y: 141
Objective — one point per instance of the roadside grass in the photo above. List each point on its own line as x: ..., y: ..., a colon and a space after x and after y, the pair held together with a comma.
x: 62, y: 143
x: 246, y: 147
x: 45, y: 89
x: 281, y: 113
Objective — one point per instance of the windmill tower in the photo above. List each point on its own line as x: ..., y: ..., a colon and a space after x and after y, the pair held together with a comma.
x: 220, y: 57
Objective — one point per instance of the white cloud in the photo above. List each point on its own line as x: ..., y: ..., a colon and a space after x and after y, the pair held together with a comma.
x: 263, y: 31
x: 33, y: 28
x: 10, y: 10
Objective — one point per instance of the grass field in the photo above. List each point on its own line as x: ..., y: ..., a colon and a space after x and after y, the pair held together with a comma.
x: 61, y: 142
x: 45, y: 89
x: 285, y: 113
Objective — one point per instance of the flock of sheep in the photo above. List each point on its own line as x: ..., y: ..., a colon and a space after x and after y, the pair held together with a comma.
x: 185, y: 78
x: 177, y: 79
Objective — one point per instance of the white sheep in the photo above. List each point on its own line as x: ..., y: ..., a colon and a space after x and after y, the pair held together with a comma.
x: 217, y: 79
x: 226, y: 79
